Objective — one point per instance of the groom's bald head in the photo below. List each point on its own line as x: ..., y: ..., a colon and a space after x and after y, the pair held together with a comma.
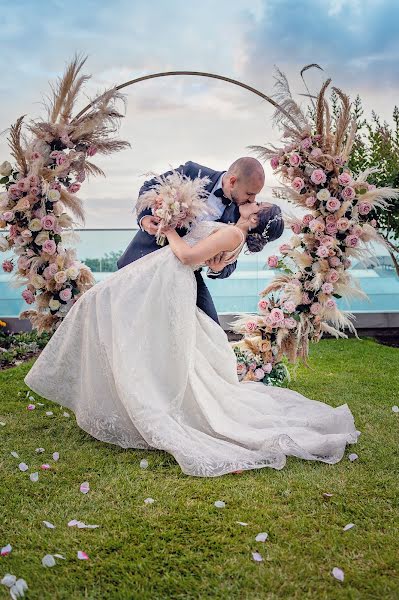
x: 244, y: 179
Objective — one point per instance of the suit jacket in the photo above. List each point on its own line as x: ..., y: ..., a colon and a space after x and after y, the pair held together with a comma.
x: 143, y: 243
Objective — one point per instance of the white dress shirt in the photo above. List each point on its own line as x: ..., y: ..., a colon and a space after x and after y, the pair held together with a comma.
x: 215, y: 203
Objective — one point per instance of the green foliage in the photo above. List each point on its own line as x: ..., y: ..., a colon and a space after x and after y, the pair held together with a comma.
x: 20, y: 346
x: 107, y: 263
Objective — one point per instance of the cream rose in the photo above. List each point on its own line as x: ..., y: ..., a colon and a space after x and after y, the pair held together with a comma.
x: 41, y: 238
x: 54, y: 304
x: 37, y: 281
x: 5, y: 168
x: 35, y: 225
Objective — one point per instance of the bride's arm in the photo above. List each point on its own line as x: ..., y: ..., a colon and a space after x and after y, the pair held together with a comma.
x: 222, y: 240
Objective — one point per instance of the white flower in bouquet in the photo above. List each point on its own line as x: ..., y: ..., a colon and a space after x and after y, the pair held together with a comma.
x: 5, y: 169
x: 177, y: 200
x: 4, y: 245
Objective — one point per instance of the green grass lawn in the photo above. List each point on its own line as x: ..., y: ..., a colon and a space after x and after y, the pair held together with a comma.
x: 182, y: 546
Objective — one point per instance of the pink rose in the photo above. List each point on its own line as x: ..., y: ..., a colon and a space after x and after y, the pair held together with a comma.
x: 351, y: 241
x: 8, y: 266
x: 331, y: 303
x: 49, y: 246
x: 272, y: 261
x: 276, y: 315
x: 343, y: 224
x: 35, y: 155
x: 289, y: 306
x: 328, y: 241
x: 48, y: 222
x: 252, y: 366
x: 81, y: 176
x: 8, y: 215
x: 53, y: 268
x: 305, y: 298
x: 373, y: 223
x: 34, y: 181
x: 298, y: 184
x: 311, y: 201
x: 251, y: 326
x: 348, y: 193
x: 334, y: 261
x: 290, y: 323
x: 73, y: 188
x: 14, y: 192
x: 66, y: 294
x: 322, y: 251
x: 28, y: 296
x: 327, y: 288
x: 259, y: 374
x: 55, y: 186
x: 333, y: 204
x: 316, y: 225
x: 23, y: 184
x: 318, y: 177
x: 284, y: 248
x: 347, y: 263
x: 364, y: 208
x: 296, y: 228
x: 267, y: 367
x: 241, y: 368
x: 306, y: 143
x: 315, y: 308
x: 345, y: 179
x: 307, y: 218
x: 61, y: 158
x: 371, y: 186
x: 263, y: 304
x: 295, y: 160
x: 332, y: 276
x: 331, y: 228
x: 274, y: 162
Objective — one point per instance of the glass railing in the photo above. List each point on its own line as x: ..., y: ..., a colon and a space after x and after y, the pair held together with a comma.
x: 100, y: 249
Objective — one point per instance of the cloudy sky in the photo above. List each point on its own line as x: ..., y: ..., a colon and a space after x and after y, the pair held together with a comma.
x: 171, y: 120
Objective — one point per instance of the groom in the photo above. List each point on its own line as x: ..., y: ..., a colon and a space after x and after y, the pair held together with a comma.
x: 240, y: 184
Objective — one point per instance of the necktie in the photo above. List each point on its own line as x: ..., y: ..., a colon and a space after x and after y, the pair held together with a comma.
x: 219, y: 194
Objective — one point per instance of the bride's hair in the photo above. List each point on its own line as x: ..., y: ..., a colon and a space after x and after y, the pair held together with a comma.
x: 270, y: 227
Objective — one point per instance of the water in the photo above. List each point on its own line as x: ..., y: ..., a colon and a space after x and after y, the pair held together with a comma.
x: 237, y: 293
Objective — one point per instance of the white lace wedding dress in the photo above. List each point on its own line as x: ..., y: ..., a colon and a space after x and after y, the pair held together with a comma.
x: 142, y: 367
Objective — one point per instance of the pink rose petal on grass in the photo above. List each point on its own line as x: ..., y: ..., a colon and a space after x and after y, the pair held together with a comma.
x: 45, y: 467
x: 6, y: 550
x: 257, y: 557
x: 85, y: 487
x: 82, y: 555
x: 31, y: 407
x: 338, y: 574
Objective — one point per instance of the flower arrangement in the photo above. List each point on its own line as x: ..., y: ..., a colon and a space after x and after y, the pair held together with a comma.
x: 50, y: 168
x: 300, y: 305
x: 177, y: 200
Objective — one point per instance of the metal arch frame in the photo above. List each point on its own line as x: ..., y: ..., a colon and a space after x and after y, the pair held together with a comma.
x: 196, y: 74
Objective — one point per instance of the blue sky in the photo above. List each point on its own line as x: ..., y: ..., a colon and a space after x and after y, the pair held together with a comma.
x: 171, y: 120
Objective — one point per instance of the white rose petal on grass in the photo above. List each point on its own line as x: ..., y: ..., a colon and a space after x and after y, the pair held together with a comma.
x: 143, y: 464
x: 257, y: 557
x: 85, y: 487
x: 6, y: 550
x: 18, y: 589
x: 261, y: 537
x: 338, y: 574
x: 65, y: 414
x: 39, y: 450
x: 327, y: 495
x: 353, y: 457
x: 60, y: 556
x: 8, y: 580
x: 72, y: 523
x: 220, y: 504
x: 241, y: 523
x: 149, y: 501
x: 2, y: 424
x: 395, y: 409
x: 56, y: 456
x: 34, y: 476
x: 40, y: 403
x: 49, y: 413
x: 14, y: 454
x: 349, y: 526
x: 48, y: 524
x: 82, y: 555
x: 48, y: 560
x: 23, y: 466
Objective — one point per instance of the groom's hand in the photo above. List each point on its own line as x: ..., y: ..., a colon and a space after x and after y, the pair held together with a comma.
x: 216, y: 264
x: 150, y: 224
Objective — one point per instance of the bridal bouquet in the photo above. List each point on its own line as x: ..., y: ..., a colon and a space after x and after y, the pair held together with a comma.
x: 177, y: 200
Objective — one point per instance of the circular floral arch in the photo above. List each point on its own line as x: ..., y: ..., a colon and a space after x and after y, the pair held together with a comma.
x: 298, y: 306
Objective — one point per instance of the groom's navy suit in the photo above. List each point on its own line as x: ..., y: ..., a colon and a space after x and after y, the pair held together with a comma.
x: 143, y: 243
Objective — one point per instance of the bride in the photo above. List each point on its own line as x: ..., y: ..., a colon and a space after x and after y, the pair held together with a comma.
x: 142, y: 367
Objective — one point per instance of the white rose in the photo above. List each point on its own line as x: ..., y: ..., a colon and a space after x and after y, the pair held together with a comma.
x: 53, y: 195
x: 35, y: 225
x: 60, y: 277
x: 41, y: 238
x: 54, y: 304
x: 323, y: 195
x: 72, y: 272
x: 295, y: 241
x: 38, y: 281
x: 5, y: 168
x: 3, y: 244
